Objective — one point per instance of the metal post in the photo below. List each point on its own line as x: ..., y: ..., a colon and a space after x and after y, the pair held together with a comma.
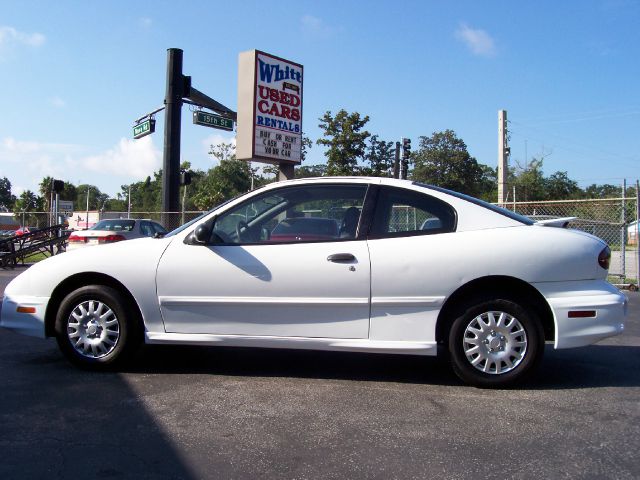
x: 86, y: 225
x: 637, y: 233
x: 56, y: 216
x: 396, y: 162
x: 51, y: 204
x: 623, y: 240
x: 503, y: 156
x: 129, y: 202
x: 173, y: 115
x: 184, y: 197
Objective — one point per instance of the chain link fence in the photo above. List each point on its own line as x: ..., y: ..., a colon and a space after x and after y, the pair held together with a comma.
x: 613, y: 220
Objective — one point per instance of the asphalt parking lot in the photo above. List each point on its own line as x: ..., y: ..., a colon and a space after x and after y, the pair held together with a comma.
x: 238, y: 413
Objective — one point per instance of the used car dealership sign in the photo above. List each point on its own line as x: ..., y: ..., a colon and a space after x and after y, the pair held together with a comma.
x: 269, y: 108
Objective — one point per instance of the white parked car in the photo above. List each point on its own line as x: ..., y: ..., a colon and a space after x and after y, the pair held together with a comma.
x: 420, y: 270
x: 114, y: 230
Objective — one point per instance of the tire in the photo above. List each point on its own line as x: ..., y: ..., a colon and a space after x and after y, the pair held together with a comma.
x: 97, y: 328
x: 495, y: 343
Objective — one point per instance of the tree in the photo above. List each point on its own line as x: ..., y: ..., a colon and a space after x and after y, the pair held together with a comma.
x: 7, y: 199
x: 28, y: 202
x: 304, y: 146
x: 345, y: 140
x: 97, y: 199
x: 228, y: 179
x: 560, y: 187
x: 380, y: 155
x: 603, y: 191
x: 530, y: 182
x: 45, y: 188
x: 307, y: 171
x: 443, y: 160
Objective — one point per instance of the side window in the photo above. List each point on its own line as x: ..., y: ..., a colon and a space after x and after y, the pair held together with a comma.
x: 401, y: 212
x: 316, y: 213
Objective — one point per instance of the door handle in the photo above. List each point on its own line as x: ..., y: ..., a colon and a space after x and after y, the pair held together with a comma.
x: 341, y: 257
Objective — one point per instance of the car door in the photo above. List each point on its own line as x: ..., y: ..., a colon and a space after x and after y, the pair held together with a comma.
x: 410, y: 245
x: 308, y: 282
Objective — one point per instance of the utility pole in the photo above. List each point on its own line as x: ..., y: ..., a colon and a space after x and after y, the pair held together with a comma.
x: 503, y: 156
x: 171, y: 155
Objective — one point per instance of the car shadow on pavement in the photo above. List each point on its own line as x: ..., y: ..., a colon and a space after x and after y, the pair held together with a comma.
x: 587, y: 367
x: 261, y: 362
x: 57, y: 421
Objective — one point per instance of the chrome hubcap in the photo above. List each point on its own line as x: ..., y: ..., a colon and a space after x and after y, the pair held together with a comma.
x: 93, y: 329
x: 495, y: 342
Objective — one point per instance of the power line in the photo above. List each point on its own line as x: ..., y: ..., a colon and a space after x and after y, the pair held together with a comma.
x: 588, y: 148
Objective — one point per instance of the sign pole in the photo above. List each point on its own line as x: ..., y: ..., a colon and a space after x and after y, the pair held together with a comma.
x: 286, y: 172
x: 171, y: 155
x: 56, y: 216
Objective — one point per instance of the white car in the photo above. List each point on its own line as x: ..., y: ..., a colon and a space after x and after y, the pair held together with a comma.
x: 420, y: 270
x: 114, y: 230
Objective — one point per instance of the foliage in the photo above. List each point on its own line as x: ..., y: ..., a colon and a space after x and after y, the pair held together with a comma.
x: 559, y: 186
x: 603, y: 191
x: 228, y: 179
x: 45, y: 188
x: 531, y: 185
x: 443, y: 160
x: 380, y: 156
x: 529, y: 182
x: 28, y: 202
x: 7, y: 199
x: 97, y: 199
x: 345, y: 140
x: 307, y: 171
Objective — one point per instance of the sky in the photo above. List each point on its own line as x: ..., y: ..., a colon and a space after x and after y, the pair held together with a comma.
x: 76, y: 74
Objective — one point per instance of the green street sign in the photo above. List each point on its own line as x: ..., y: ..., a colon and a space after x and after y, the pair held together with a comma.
x: 212, y: 120
x: 144, y: 128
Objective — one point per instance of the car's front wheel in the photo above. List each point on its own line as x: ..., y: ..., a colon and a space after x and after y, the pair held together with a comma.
x: 96, y: 327
x: 495, y: 343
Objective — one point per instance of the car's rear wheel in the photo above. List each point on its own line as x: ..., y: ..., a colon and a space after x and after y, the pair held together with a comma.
x: 495, y: 343
x: 96, y: 327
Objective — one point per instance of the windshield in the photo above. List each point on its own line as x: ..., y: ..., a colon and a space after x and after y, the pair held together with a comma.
x: 118, y: 225
x: 186, y: 225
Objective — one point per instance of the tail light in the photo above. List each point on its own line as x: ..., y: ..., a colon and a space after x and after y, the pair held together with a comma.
x: 604, y: 259
x: 76, y: 239
x: 111, y: 239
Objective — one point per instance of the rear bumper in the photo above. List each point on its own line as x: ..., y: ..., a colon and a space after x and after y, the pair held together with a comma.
x: 604, y: 304
x: 31, y: 324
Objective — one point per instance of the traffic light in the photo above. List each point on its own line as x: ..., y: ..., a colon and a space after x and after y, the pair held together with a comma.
x: 186, y: 85
x: 406, y: 148
x: 57, y: 186
x: 185, y: 177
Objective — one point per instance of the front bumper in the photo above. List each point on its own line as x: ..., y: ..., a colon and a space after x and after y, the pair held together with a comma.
x: 31, y: 324
x: 599, y: 296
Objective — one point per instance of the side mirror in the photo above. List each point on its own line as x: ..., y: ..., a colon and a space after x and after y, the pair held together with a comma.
x: 202, y: 234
